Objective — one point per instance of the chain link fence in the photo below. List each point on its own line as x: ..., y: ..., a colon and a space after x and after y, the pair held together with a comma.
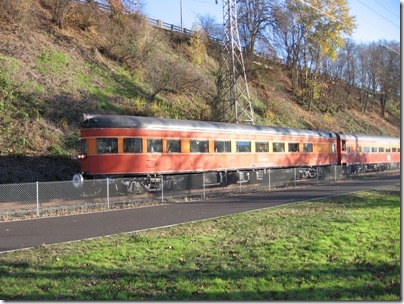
x: 58, y: 198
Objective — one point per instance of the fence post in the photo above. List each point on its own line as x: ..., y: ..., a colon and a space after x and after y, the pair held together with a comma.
x: 335, y: 173
x: 37, y: 199
x: 239, y: 180
x: 203, y: 182
x: 162, y: 188
x: 108, y: 192
x: 269, y: 179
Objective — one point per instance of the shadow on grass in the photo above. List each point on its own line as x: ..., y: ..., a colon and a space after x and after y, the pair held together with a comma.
x: 128, y: 88
x: 87, y: 283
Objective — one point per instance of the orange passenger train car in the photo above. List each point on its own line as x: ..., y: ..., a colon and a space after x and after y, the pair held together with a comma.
x: 117, y: 146
x: 132, y: 146
x: 375, y: 151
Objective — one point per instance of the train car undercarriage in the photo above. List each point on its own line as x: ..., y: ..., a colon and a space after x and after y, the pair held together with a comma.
x: 157, y: 182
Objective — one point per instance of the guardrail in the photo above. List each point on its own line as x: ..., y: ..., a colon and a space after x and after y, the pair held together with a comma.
x: 154, y: 22
x: 167, y: 26
x: 174, y: 28
x: 56, y: 198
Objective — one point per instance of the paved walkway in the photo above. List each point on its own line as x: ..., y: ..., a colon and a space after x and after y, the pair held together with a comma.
x: 35, y: 232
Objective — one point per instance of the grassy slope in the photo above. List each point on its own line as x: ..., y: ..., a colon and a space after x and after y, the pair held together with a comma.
x: 49, y: 77
x: 346, y: 248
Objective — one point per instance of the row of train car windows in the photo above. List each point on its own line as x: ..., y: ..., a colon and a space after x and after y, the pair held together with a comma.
x: 135, y: 145
x: 373, y: 150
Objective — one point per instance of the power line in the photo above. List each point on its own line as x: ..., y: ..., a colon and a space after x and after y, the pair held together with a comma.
x: 328, y: 15
x: 204, y: 2
x: 387, y: 9
x: 322, y: 12
x: 377, y: 13
x: 390, y: 49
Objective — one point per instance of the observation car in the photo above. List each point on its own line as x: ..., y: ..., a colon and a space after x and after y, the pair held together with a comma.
x: 144, y: 148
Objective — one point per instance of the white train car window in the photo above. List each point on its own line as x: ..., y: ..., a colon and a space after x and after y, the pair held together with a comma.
x: 83, y: 146
x: 222, y: 146
x: 308, y: 147
x: 293, y: 147
x: 199, y: 146
x: 154, y: 145
x: 243, y: 146
x: 261, y: 146
x: 174, y: 145
x: 107, y: 145
x: 132, y: 145
x: 278, y: 147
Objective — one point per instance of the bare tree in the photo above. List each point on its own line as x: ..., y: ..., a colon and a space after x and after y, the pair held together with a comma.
x: 388, y: 73
x: 60, y: 10
x: 253, y: 18
x: 131, y: 39
x: 288, y: 38
x: 166, y: 74
x: 365, y: 79
x: 133, y: 6
x: 116, y: 6
x: 86, y: 15
x: 210, y: 26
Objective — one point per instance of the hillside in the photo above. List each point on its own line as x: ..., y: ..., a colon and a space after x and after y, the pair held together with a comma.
x: 97, y: 63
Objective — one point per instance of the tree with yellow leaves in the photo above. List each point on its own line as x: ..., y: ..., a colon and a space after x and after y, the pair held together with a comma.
x: 309, y: 31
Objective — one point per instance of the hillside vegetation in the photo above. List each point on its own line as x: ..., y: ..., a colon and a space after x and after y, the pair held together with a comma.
x: 94, y: 61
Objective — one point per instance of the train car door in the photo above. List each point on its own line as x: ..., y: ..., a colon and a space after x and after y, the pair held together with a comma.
x: 339, y: 149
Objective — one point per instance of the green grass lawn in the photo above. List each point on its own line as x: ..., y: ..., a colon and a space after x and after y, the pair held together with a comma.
x: 346, y: 248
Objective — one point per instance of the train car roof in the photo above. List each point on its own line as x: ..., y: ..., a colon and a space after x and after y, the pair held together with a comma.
x: 369, y: 138
x: 124, y: 121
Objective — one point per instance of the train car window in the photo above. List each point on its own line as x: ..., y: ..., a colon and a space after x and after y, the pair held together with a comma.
x: 222, y: 146
x: 154, y: 145
x: 132, y: 145
x: 293, y: 147
x: 243, y: 146
x: 344, y: 145
x: 348, y: 150
x: 199, y: 146
x: 107, y: 145
x: 366, y: 149
x: 381, y: 149
x: 398, y: 150
x: 388, y: 150
x: 393, y: 150
x: 308, y: 147
x: 83, y: 146
x: 174, y: 145
x: 359, y: 149
x: 333, y: 148
x: 374, y: 149
x: 278, y: 147
x: 261, y: 146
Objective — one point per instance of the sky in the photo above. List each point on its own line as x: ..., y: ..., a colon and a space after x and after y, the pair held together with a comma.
x: 376, y: 19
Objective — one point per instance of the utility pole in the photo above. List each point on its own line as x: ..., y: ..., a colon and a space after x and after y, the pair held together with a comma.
x: 239, y: 95
x: 181, y: 15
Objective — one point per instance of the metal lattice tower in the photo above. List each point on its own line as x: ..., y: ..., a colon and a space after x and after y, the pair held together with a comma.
x: 240, y: 102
